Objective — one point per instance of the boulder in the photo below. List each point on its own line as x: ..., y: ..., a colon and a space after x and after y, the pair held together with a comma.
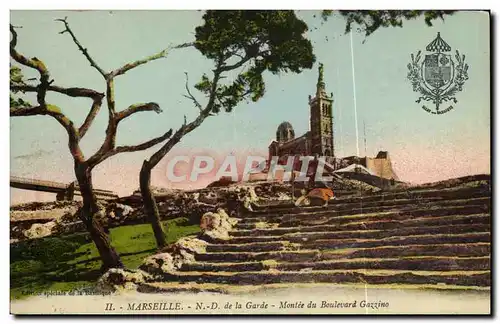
x: 240, y: 196
x: 40, y: 230
x: 216, y: 226
x: 283, y: 196
x: 191, y: 244
x: 124, y: 210
x: 70, y: 227
x: 185, y: 249
x: 210, y: 198
x: 119, y: 213
x: 174, y: 256
x: 121, y: 279
x: 158, y: 263
x: 210, y: 221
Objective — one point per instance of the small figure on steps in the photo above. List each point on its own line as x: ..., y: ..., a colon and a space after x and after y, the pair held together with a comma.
x: 319, y: 196
x: 302, y: 200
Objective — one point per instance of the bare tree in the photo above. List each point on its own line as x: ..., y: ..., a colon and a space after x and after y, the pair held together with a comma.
x: 249, y: 42
x: 83, y: 166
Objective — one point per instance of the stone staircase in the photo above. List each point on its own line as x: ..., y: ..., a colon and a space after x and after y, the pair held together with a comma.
x: 437, y: 238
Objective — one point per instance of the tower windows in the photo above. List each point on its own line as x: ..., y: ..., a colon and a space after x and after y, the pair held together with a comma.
x: 321, y: 120
x: 325, y: 109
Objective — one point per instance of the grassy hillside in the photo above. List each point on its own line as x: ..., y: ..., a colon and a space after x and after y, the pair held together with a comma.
x: 72, y: 262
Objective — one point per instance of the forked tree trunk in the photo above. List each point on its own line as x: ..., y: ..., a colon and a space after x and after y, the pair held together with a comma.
x: 150, y: 206
x: 109, y: 257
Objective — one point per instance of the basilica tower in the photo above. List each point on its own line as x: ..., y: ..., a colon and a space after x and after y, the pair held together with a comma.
x: 321, y: 119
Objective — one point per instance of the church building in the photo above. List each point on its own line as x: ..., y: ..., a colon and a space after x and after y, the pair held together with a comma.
x: 319, y: 140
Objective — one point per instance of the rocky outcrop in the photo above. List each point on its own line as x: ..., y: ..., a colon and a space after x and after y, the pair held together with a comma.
x: 40, y: 230
x: 66, y: 220
x: 216, y: 226
x: 159, y: 263
x: 174, y: 256
x: 129, y: 210
x: 50, y: 205
x: 121, y: 279
x: 168, y: 262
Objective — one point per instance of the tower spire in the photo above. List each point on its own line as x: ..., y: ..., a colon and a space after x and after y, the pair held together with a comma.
x: 320, y: 87
x: 321, y: 119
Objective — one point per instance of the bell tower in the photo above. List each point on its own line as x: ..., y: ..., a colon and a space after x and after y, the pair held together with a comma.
x: 321, y: 119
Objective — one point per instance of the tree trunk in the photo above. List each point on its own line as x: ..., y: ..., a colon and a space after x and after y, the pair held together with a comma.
x: 109, y: 257
x: 150, y: 206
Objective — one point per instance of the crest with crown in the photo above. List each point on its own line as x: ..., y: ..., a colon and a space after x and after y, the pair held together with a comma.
x: 439, y: 76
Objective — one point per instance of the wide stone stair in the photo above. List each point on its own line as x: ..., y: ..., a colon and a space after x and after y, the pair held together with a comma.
x: 437, y: 238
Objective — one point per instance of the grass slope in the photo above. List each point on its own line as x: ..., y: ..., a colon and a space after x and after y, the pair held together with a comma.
x: 72, y: 262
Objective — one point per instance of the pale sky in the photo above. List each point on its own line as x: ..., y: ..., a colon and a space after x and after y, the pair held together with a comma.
x: 423, y: 147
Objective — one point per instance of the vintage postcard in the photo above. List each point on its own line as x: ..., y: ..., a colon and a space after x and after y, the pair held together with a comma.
x: 250, y: 162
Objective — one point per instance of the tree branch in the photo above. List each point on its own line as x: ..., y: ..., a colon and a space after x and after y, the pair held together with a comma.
x: 108, y: 146
x: 150, y: 106
x: 73, y: 136
x: 190, y: 95
x: 77, y: 92
x: 96, y: 106
x: 187, y: 128
x: 32, y: 63
x: 110, y: 139
x: 129, y: 66
x: 145, y: 145
x: 72, y: 92
x: 236, y: 65
x: 96, y: 159
x: 80, y: 47
x: 55, y: 112
x: 44, y: 108
x: 109, y: 142
x: 26, y: 111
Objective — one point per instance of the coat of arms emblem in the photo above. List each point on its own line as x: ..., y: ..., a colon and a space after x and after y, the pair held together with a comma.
x: 437, y: 77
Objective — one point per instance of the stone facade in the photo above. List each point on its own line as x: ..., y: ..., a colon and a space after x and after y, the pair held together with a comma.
x: 319, y: 139
x: 381, y: 165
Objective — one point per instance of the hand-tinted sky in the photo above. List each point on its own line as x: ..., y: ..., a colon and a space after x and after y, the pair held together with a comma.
x: 423, y: 147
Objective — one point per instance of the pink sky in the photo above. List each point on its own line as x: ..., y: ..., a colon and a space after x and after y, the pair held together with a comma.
x: 429, y: 166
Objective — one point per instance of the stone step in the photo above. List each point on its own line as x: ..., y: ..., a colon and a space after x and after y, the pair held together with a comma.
x: 478, y: 207
x: 244, y: 226
x: 317, y: 218
x: 399, y: 240
x: 481, y: 249
x: 456, y: 250
x: 354, y: 209
x: 351, y: 243
x: 432, y: 263
x: 402, y: 197
x: 194, y: 287
x: 301, y: 255
x: 364, y: 234
x: 411, y: 263
x: 340, y: 204
x: 388, y: 216
x: 375, y: 224
x: 253, y: 247
x: 368, y: 276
